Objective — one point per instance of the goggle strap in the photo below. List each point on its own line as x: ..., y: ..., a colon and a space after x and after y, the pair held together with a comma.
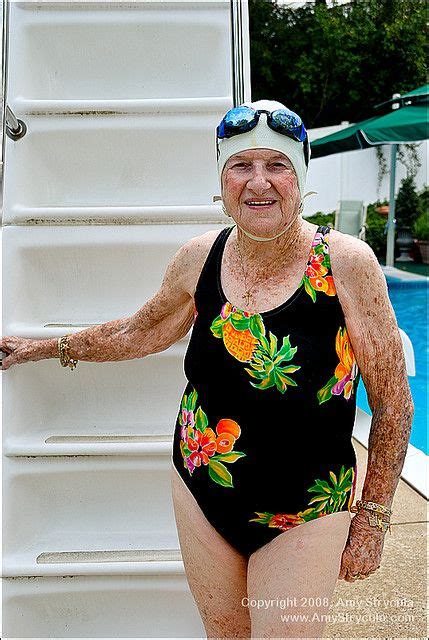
x: 310, y: 193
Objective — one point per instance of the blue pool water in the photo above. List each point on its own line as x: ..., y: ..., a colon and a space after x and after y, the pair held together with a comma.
x: 409, y: 301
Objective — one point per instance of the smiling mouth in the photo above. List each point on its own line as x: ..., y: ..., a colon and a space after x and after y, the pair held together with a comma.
x: 260, y: 204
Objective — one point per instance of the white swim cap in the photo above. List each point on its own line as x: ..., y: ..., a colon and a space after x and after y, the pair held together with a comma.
x: 263, y: 137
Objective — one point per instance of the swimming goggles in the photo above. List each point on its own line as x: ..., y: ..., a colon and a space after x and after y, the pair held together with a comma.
x: 242, y: 119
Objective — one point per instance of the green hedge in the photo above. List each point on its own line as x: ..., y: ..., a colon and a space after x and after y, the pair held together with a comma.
x: 375, y: 229
x: 421, y: 227
x: 376, y: 223
x: 326, y: 219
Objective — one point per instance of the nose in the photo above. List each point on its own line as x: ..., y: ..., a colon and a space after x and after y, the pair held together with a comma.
x: 258, y: 181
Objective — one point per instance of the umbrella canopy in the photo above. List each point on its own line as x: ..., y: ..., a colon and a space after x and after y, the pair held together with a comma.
x: 409, y: 123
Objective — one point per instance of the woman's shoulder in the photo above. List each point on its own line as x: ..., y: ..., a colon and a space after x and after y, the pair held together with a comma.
x: 353, y: 261
x: 349, y: 247
x: 195, y: 252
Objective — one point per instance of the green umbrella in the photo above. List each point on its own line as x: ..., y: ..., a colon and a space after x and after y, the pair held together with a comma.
x: 407, y: 122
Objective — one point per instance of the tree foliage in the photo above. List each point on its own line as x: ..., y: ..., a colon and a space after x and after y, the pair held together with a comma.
x: 334, y: 63
x: 407, y: 206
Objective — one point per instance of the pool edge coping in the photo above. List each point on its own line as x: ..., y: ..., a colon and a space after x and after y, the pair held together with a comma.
x: 403, y: 275
x: 414, y: 471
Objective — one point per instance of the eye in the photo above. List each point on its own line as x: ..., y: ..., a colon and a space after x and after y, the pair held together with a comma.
x: 240, y: 164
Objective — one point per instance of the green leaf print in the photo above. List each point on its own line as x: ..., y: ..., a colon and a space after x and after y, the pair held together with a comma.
x: 319, y: 248
x: 241, y: 324
x: 232, y: 456
x: 330, y: 498
x: 216, y: 327
x: 186, y: 451
x: 324, y: 393
x: 286, y: 353
x: 309, y: 289
x: 256, y: 326
x: 192, y: 400
x: 201, y: 420
x: 266, y: 364
x: 267, y: 383
x: 273, y: 345
x: 282, y: 381
x: 219, y: 473
x: 259, y: 375
x: 263, y: 518
x: 264, y: 344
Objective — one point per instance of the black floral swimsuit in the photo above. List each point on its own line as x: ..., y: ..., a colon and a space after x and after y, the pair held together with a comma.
x: 263, y: 434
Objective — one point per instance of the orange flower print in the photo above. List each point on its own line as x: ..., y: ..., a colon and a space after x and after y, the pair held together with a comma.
x: 201, y: 446
x: 315, y: 278
x: 285, y: 521
x: 346, y: 371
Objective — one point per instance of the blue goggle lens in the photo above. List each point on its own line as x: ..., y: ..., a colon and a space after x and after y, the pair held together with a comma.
x: 287, y: 120
x: 236, y: 121
x: 242, y: 119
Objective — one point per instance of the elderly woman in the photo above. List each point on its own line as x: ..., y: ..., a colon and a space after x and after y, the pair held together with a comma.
x: 286, y: 316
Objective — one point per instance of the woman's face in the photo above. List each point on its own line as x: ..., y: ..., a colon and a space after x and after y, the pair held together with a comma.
x: 259, y: 175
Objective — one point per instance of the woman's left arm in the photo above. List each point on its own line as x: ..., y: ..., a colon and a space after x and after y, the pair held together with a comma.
x: 377, y: 345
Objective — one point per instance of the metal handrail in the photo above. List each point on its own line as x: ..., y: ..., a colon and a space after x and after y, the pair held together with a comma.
x: 5, y: 42
x: 11, y: 125
x: 15, y: 128
x: 237, y: 56
x: 11, y: 119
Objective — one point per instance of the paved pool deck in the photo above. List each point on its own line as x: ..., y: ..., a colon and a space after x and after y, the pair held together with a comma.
x: 391, y: 603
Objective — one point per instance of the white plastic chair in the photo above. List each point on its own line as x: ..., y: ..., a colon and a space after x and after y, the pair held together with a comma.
x: 350, y: 217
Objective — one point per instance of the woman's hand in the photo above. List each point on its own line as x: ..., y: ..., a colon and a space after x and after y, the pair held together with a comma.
x: 362, y: 553
x: 20, y: 350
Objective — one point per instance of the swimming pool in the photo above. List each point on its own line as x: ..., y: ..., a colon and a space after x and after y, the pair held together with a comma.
x: 409, y: 300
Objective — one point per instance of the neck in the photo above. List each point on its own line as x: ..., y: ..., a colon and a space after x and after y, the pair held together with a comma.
x: 278, y: 244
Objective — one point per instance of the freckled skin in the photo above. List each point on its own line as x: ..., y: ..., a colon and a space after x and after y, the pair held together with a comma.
x: 373, y: 331
x: 274, y: 270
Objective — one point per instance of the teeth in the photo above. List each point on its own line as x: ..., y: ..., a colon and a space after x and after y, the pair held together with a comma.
x: 253, y: 202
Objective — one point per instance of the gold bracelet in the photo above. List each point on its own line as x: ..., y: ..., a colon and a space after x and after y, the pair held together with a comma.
x: 375, y: 521
x: 374, y: 518
x: 371, y: 506
x: 63, y: 353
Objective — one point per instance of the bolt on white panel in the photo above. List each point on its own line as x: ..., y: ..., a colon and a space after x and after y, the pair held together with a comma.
x: 152, y: 159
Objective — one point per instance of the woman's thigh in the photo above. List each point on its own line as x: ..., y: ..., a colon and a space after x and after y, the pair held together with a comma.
x: 216, y: 572
x: 296, y: 574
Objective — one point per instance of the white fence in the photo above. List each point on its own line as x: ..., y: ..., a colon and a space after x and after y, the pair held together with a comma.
x: 353, y: 175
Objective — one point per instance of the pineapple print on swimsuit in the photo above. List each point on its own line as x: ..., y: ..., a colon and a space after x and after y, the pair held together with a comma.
x: 244, y: 337
x: 275, y: 402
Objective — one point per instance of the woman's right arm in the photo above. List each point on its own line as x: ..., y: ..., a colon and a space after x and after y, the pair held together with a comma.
x: 162, y: 321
